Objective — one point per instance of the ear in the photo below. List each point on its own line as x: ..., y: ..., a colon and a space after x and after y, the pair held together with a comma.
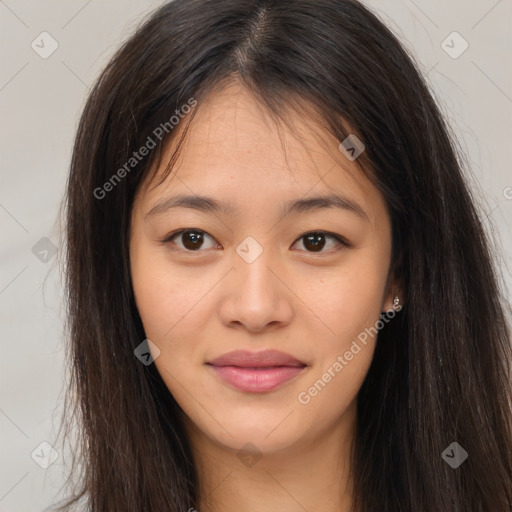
x: 394, y: 289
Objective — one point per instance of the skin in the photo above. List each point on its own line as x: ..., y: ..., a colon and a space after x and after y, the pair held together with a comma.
x: 198, y: 305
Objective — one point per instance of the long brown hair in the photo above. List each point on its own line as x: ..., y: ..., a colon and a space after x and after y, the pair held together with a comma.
x: 441, y: 372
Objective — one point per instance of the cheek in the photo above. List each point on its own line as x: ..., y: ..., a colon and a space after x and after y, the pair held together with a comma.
x: 165, y: 295
x: 174, y: 308
x: 348, y: 299
x: 349, y: 304
x: 172, y: 313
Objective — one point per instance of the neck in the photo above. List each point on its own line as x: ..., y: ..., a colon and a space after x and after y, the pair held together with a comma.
x: 312, y: 474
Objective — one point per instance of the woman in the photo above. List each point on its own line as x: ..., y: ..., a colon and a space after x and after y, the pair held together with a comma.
x: 281, y: 296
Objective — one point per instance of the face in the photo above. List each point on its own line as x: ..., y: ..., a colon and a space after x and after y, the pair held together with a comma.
x: 258, y: 274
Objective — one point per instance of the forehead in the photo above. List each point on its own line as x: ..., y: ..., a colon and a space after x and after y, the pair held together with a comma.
x: 234, y: 151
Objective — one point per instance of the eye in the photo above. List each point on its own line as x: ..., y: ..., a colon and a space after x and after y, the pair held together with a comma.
x: 314, y: 241
x: 192, y: 240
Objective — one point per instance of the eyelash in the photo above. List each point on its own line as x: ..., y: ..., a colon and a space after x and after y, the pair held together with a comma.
x: 343, y: 242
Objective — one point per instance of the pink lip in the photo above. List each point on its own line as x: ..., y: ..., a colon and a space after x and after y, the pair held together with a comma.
x: 256, y: 372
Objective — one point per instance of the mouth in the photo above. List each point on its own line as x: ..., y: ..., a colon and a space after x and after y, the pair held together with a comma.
x: 256, y: 372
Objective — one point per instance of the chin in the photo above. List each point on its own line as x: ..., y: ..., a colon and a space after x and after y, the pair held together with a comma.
x: 268, y: 431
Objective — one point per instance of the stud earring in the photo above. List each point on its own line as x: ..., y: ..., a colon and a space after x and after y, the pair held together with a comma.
x: 396, y: 303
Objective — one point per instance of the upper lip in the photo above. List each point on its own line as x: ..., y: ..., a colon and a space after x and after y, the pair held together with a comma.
x: 248, y: 359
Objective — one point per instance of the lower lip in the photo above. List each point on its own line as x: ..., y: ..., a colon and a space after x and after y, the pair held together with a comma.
x: 256, y: 380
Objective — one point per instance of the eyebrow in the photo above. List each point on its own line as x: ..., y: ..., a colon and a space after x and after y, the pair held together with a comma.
x: 210, y: 205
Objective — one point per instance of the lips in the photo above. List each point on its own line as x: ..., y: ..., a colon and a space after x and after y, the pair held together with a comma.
x: 256, y: 372
x: 265, y: 359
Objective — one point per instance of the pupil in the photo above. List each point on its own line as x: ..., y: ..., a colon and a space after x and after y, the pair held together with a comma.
x: 196, y: 240
x: 317, y: 241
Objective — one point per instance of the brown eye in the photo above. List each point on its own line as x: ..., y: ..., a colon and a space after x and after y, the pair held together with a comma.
x: 316, y: 241
x: 191, y: 239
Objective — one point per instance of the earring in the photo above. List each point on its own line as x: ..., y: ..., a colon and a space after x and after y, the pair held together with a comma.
x: 396, y: 303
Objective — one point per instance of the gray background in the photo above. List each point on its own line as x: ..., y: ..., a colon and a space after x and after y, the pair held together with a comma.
x: 40, y: 103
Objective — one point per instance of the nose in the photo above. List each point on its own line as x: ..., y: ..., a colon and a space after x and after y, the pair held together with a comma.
x: 256, y: 295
